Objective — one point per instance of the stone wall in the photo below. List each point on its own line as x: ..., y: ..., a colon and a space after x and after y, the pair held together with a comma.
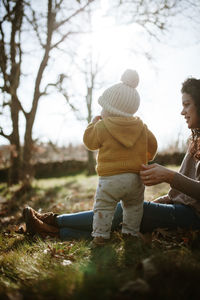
x: 58, y: 169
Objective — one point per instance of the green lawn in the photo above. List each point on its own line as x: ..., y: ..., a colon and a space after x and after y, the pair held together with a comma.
x: 164, y: 265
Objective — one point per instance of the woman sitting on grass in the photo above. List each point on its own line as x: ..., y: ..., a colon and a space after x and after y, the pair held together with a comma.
x: 180, y: 208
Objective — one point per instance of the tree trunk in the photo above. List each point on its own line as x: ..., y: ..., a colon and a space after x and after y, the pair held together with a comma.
x: 15, y: 153
x: 28, y: 168
x: 14, y: 79
x: 14, y: 170
x: 91, y: 164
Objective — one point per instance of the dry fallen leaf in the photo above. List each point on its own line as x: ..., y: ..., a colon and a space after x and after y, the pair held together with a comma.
x: 66, y: 262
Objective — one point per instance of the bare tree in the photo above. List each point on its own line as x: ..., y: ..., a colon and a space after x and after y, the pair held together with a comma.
x: 89, y: 69
x: 51, y: 29
x: 90, y: 72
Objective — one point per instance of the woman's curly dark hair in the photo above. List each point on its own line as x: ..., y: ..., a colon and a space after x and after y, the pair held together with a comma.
x: 191, y: 86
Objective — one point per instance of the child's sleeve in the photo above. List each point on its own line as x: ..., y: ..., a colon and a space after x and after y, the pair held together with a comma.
x: 90, y: 137
x: 152, y: 145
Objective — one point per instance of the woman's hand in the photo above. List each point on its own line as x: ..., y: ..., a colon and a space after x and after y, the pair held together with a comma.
x: 154, y: 174
x: 96, y: 119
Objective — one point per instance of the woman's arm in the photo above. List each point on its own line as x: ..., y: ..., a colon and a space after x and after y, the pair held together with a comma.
x: 154, y: 174
x: 163, y: 199
x: 186, y: 185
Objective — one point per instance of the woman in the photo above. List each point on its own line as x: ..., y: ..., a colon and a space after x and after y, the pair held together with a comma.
x: 179, y: 208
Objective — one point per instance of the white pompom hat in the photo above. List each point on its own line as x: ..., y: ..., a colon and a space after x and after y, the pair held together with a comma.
x: 122, y: 99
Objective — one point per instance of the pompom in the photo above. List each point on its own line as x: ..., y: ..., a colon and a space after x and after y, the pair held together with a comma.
x: 131, y: 78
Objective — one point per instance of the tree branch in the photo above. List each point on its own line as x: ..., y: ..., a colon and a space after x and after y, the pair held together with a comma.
x: 34, y: 24
x: 58, y: 86
x: 3, y: 56
x: 66, y: 96
x: 8, y: 10
x: 61, y: 40
x: 8, y: 137
x: 58, y: 4
x: 57, y: 25
x: 43, y: 64
x: 44, y: 93
x: 146, y: 13
x: 21, y: 108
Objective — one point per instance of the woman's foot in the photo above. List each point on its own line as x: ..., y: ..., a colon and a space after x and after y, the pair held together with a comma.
x: 48, y: 218
x: 36, y: 226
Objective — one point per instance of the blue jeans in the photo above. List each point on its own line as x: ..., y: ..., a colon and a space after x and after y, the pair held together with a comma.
x: 155, y: 215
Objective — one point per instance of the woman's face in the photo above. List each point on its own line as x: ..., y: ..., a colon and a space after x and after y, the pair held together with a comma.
x: 190, y: 111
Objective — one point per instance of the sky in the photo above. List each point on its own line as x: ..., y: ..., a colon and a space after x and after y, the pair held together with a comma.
x: 174, y: 59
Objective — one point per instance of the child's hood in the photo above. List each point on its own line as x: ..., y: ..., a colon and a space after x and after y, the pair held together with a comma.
x: 125, y: 130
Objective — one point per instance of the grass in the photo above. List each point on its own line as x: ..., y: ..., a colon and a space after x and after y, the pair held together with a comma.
x: 163, y: 265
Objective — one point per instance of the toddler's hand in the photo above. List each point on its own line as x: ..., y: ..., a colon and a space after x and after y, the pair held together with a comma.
x: 96, y: 119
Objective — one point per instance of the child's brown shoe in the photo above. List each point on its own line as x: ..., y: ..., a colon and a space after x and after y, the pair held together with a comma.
x: 98, y: 241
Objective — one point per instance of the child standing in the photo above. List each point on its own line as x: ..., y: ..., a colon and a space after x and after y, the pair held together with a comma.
x: 124, y: 143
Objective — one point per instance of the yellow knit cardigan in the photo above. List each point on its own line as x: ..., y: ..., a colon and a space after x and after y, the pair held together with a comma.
x: 123, y: 143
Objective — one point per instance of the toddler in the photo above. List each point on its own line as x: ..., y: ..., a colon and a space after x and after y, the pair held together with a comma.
x: 124, y: 143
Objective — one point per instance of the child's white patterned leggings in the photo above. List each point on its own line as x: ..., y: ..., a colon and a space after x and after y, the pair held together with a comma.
x: 126, y: 187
